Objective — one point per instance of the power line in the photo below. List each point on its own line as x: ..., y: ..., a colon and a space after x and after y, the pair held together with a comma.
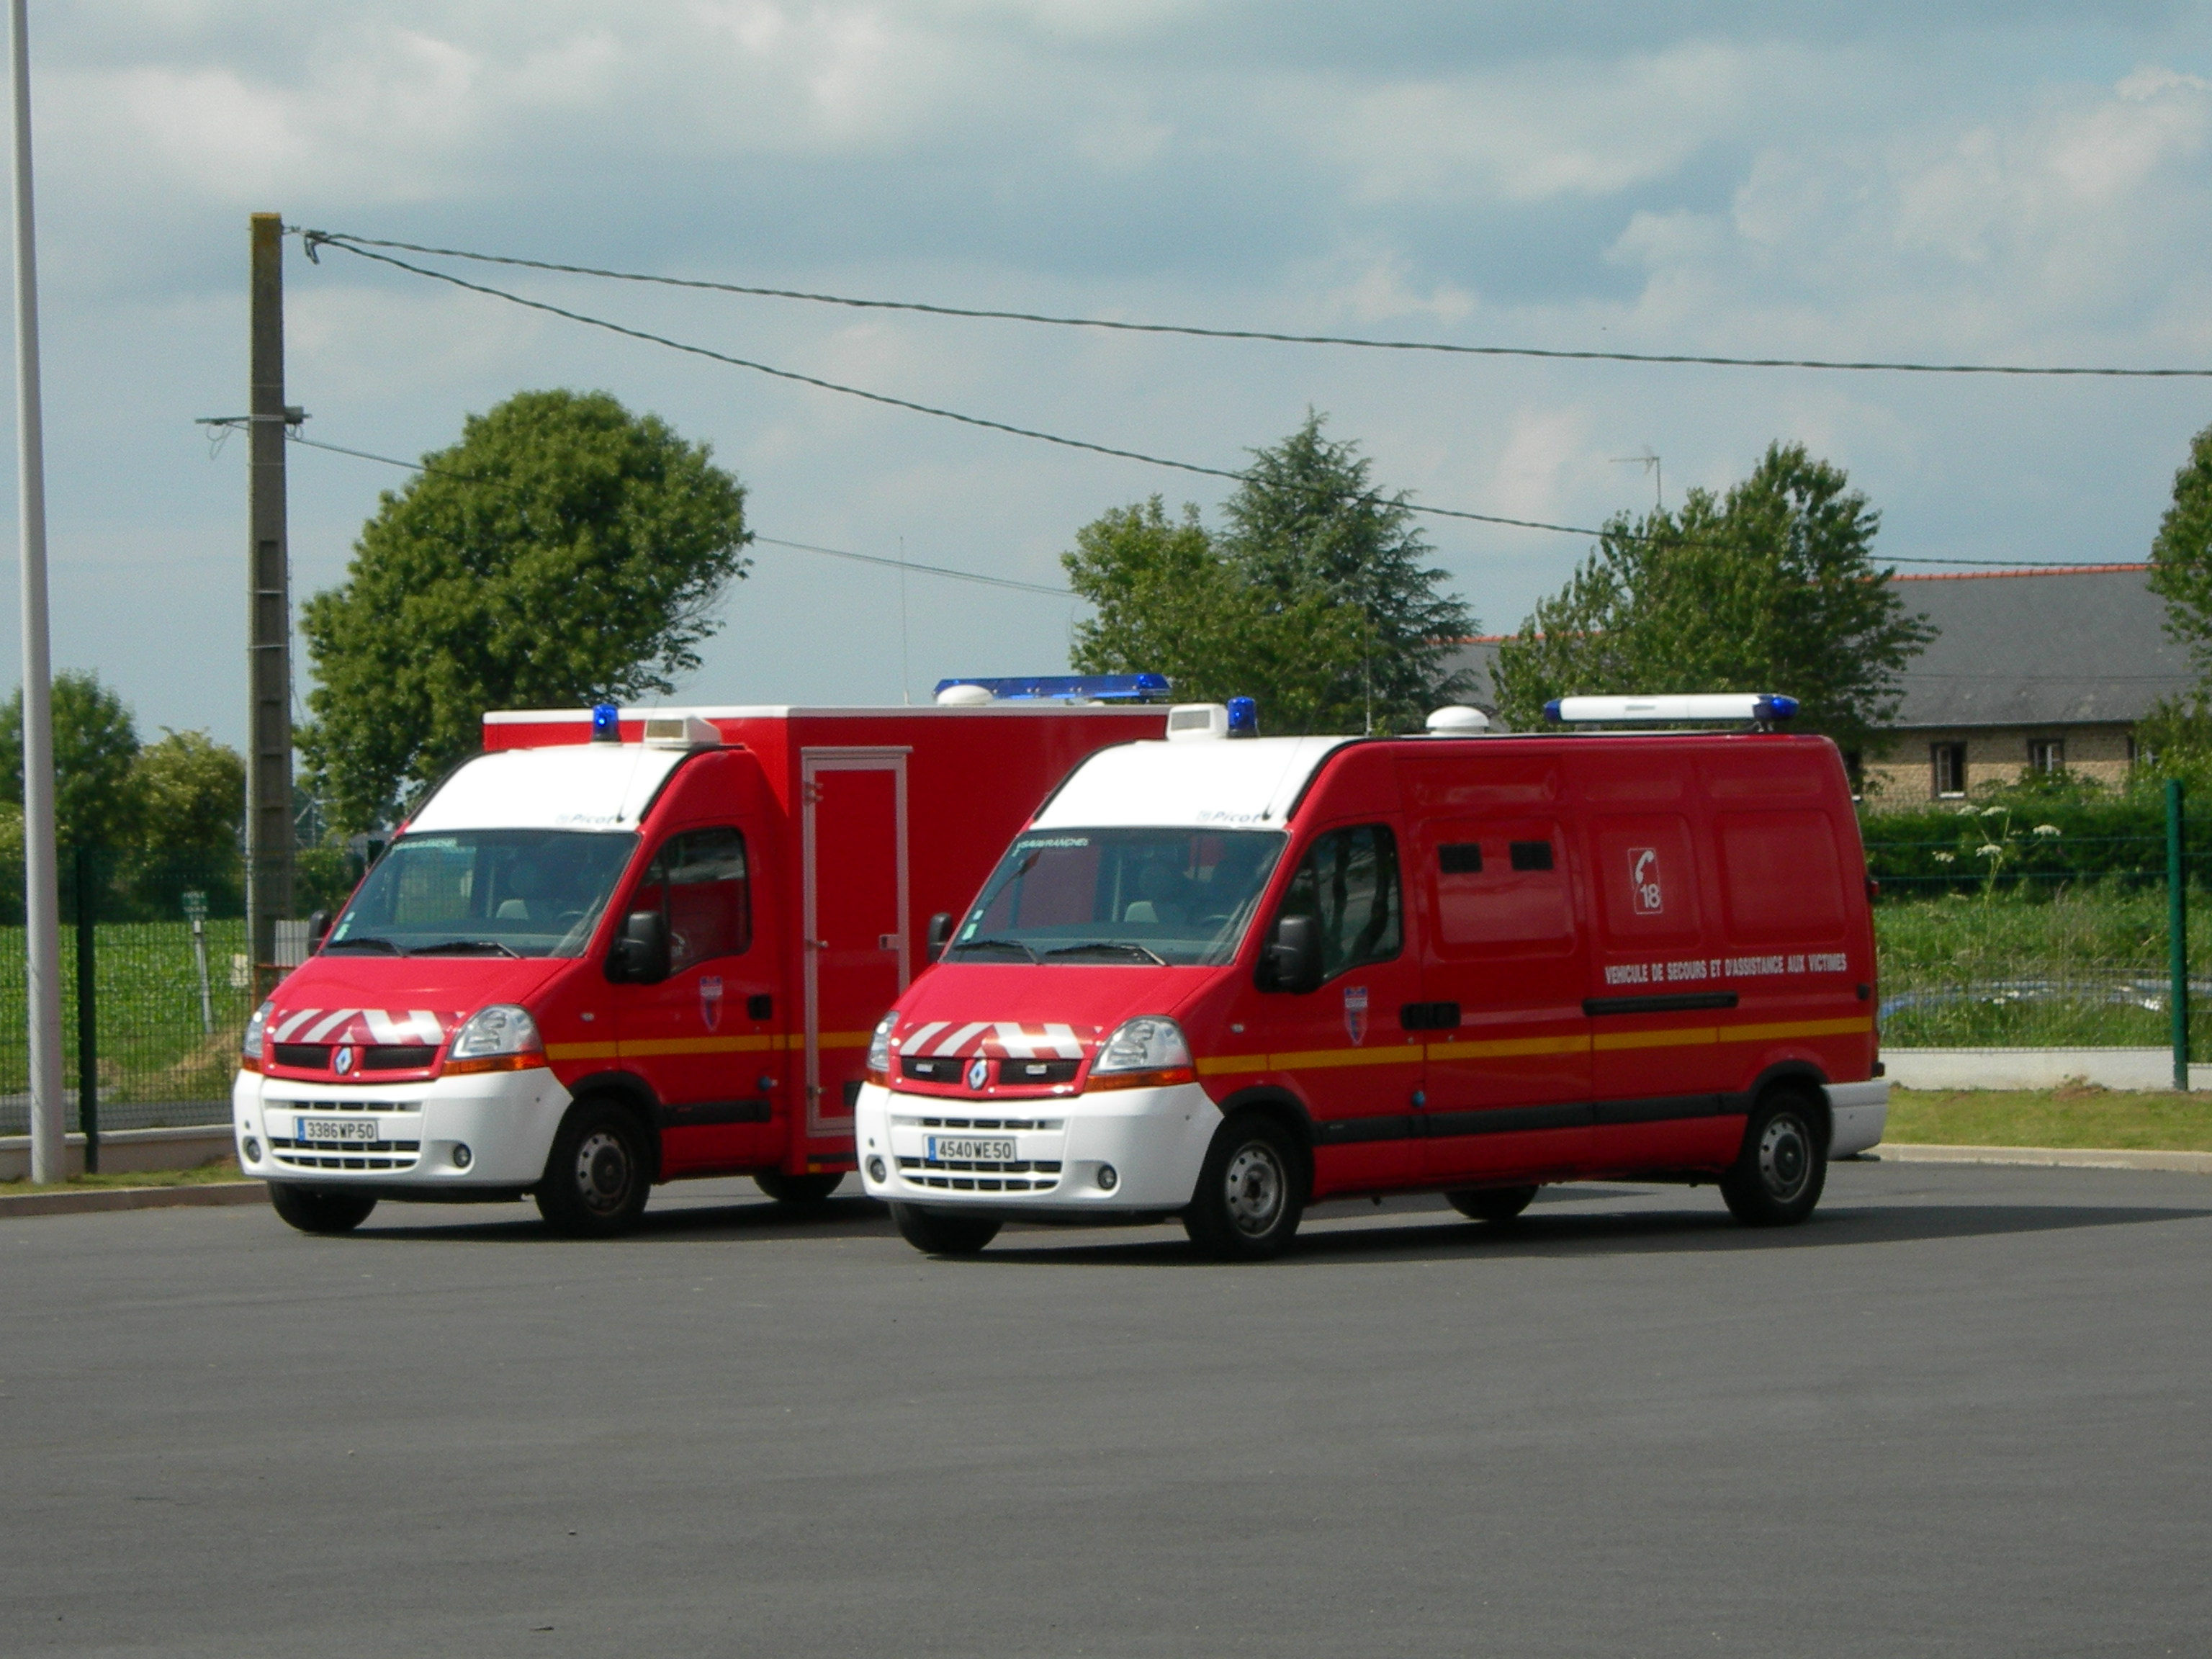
x: 315, y: 239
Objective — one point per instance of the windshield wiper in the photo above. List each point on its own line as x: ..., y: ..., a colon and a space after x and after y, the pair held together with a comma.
x: 364, y: 942
x: 1123, y: 945
x: 459, y: 947
x: 994, y: 945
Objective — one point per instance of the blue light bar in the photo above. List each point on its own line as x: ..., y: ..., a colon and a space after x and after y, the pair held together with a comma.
x: 1677, y: 708
x: 607, y: 723
x: 1071, y: 688
x: 1243, y: 718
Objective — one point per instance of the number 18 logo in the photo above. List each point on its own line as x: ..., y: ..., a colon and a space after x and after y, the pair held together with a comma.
x: 1645, y: 895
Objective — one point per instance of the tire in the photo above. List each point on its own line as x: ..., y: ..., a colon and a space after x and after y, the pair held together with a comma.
x: 318, y: 1209
x: 598, y: 1174
x: 1251, y: 1192
x: 795, y: 1188
x: 1496, y: 1205
x: 941, y: 1232
x: 1778, y: 1177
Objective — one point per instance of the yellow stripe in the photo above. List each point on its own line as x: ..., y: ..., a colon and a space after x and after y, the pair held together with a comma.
x: 579, y: 1051
x: 1222, y: 1063
x: 1505, y: 1047
x: 1676, y: 1037
x: 843, y: 1039
x: 1313, y: 1060
x: 1799, y: 1028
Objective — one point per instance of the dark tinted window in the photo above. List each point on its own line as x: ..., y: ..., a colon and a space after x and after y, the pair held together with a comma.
x: 1460, y: 858
x: 1349, y: 883
x: 697, y: 882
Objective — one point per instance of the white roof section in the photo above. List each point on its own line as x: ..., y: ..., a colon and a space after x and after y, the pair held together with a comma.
x: 583, y: 786
x: 1247, y: 783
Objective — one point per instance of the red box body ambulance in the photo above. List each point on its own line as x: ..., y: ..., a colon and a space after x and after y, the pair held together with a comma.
x: 1223, y: 980
x: 587, y: 966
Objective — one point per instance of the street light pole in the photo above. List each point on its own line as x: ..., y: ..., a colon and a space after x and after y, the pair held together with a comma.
x: 42, y: 897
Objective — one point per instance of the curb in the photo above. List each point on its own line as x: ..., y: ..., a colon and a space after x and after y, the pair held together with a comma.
x: 2045, y: 1158
x: 133, y: 1198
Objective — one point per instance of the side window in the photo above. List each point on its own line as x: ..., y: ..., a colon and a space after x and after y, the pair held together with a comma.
x: 698, y: 883
x: 1349, y: 884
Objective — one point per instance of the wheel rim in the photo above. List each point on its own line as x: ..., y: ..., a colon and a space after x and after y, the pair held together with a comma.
x: 602, y: 1172
x: 1253, y: 1187
x: 1786, y: 1157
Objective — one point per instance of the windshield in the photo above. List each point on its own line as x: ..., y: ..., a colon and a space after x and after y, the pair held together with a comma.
x: 484, y: 892
x: 1179, y: 896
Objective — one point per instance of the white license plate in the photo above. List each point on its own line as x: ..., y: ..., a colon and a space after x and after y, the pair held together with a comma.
x: 968, y: 1149
x: 337, y: 1129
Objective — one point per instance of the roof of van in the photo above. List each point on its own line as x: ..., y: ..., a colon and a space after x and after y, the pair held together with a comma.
x: 1248, y: 783
x: 581, y: 785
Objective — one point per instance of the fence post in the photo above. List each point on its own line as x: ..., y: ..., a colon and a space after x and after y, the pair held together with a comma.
x: 2176, y: 930
x: 87, y: 1014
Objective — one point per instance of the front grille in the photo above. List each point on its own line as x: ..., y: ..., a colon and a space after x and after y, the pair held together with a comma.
x: 280, y: 1104
x: 1020, y: 1073
x: 1034, y: 1071
x: 377, y: 1057
x: 1036, y: 1177
x: 361, y: 1155
x: 983, y: 1122
x: 931, y: 1069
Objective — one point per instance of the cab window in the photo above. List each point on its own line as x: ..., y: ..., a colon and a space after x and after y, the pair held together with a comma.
x: 697, y: 882
x: 1348, y: 884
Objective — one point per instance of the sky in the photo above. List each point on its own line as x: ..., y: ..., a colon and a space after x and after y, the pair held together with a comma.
x: 2021, y: 182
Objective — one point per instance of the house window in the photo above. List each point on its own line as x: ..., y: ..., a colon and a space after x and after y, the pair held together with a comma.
x: 2046, y: 754
x: 1947, y: 764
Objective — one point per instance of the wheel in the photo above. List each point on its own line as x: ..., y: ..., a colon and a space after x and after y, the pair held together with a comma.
x: 318, y: 1209
x: 1250, y: 1192
x: 1493, y: 1204
x: 598, y: 1174
x: 795, y: 1188
x: 1778, y: 1177
x: 944, y: 1232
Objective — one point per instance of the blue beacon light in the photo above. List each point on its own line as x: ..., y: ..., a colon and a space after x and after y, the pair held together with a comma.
x: 607, y: 723
x: 1243, y: 718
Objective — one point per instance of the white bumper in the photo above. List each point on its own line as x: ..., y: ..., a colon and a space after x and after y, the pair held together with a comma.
x: 1154, y: 1140
x: 505, y: 1120
x: 1857, y: 1115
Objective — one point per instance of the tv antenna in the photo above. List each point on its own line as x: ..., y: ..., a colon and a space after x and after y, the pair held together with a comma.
x: 1650, y: 463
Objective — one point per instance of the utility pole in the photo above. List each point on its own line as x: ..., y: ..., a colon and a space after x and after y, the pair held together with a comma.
x: 269, y: 833
x: 42, y: 909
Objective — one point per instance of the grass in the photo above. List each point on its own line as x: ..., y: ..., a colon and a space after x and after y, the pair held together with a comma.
x: 213, y: 1171
x: 2080, y: 1114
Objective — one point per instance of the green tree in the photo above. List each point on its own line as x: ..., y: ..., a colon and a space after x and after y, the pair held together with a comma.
x: 193, y: 793
x: 2181, y: 553
x: 1772, y: 587
x: 97, y: 801
x: 1313, y: 600
x: 564, y: 551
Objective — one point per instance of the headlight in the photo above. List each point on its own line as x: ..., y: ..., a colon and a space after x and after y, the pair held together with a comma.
x: 880, y: 1049
x: 1145, y: 1053
x: 500, y: 1038
x: 250, y: 1049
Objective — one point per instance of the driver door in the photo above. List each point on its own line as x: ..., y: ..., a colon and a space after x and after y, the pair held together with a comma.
x: 692, y: 1038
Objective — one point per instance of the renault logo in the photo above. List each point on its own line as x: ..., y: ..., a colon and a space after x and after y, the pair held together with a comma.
x: 342, y: 1061
x: 979, y: 1073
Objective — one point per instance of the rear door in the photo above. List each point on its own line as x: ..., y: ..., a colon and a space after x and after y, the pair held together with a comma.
x: 855, y: 951
x: 1509, y: 1085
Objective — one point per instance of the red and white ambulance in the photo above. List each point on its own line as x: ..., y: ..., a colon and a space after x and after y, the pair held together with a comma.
x: 623, y: 947
x: 1222, y: 980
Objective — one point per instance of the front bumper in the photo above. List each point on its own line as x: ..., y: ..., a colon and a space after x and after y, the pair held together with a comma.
x: 1858, y: 1113
x: 506, y: 1120
x: 1154, y: 1140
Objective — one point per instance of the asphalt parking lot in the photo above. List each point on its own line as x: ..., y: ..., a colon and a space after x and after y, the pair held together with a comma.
x: 1964, y: 1411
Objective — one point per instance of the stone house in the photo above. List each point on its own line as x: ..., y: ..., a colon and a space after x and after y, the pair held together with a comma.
x: 2030, y: 670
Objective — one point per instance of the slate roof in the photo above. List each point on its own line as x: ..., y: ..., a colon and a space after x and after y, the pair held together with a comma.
x: 2085, y: 645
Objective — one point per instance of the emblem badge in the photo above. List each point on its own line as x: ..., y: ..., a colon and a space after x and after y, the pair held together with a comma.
x: 979, y: 1073
x: 1645, y: 896
x: 1355, y: 1013
x: 710, y: 1000
x: 342, y: 1061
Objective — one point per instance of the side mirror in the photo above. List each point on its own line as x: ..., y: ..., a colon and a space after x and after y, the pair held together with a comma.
x: 318, y: 929
x: 940, y: 934
x: 640, y: 954
x: 1292, y: 961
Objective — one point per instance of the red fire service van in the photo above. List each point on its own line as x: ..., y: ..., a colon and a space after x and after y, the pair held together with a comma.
x: 1222, y: 980
x: 623, y: 947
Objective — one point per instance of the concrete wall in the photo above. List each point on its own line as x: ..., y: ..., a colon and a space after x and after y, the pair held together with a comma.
x: 125, y: 1151
x: 1902, y: 776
